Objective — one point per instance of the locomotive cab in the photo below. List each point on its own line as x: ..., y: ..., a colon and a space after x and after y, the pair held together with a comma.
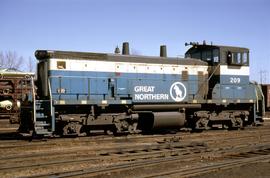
x: 228, y: 69
x: 228, y: 81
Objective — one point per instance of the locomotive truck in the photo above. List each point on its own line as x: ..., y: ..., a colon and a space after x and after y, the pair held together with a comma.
x: 78, y: 92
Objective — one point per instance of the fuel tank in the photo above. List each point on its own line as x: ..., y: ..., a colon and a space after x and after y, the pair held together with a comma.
x: 161, y: 120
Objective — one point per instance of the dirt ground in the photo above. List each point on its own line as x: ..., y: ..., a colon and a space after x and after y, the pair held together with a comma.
x: 255, y: 170
x: 69, y: 149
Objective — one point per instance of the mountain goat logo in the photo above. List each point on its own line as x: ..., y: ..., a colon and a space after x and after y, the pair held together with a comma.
x: 178, y: 91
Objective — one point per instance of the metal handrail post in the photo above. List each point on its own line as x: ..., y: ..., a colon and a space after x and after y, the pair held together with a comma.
x: 34, y: 100
x: 51, y: 106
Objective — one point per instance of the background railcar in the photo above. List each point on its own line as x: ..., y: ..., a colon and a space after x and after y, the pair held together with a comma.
x: 266, y: 93
x: 14, y: 89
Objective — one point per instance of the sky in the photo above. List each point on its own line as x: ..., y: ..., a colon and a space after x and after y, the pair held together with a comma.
x: 101, y: 25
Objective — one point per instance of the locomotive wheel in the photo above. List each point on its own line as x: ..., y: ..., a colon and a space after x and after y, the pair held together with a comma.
x: 238, y: 123
x: 133, y: 128
x: 202, y: 123
x: 72, y: 128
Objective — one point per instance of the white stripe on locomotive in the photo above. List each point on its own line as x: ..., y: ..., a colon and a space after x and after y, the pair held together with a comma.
x: 127, y: 67
x: 228, y: 70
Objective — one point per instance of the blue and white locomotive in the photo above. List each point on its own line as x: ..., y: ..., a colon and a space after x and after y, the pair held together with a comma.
x: 80, y: 91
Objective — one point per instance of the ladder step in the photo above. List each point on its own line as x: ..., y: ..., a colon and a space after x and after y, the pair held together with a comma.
x: 39, y: 109
x: 45, y: 133
x: 41, y: 101
x: 43, y: 124
x: 41, y: 129
x: 41, y: 117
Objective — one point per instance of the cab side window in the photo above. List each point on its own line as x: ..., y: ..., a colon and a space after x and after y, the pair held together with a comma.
x: 216, y: 55
x: 206, y: 55
x: 61, y: 65
x: 196, y: 55
x: 245, y: 58
x: 237, y: 58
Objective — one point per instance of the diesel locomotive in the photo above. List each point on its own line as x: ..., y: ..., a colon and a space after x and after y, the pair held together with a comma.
x: 78, y: 92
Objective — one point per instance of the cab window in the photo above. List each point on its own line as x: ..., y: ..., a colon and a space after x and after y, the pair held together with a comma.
x: 61, y: 65
x: 216, y: 55
x: 245, y: 58
x: 237, y: 58
x: 196, y: 55
x: 207, y: 55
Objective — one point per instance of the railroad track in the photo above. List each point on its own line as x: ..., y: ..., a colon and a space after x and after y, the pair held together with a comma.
x: 69, y: 156
x: 7, y: 144
x: 12, y: 140
x: 13, y: 137
x: 41, y: 150
x: 124, y: 154
x: 260, y: 153
x: 82, y: 146
x: 6, y: 127
x: 230, y: 161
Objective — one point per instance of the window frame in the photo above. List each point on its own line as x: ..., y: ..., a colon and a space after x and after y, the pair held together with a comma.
x: 237, y: 58
x: 61, y: 65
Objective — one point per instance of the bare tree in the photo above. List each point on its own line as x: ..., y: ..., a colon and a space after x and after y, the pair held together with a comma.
x: 10, y: 59
x: 30, y: 65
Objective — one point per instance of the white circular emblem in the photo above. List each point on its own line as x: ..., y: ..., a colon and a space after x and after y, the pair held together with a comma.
x: 178, y: 91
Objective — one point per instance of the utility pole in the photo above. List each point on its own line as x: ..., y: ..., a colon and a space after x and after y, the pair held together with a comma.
x: 263, y: 76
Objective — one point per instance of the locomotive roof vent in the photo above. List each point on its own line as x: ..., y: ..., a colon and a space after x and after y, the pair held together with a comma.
x: 163, y: 51
x: 125, y: 50
x: 197, y: 43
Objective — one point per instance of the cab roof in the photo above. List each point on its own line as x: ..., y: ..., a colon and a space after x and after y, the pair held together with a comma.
x: 220, y: 47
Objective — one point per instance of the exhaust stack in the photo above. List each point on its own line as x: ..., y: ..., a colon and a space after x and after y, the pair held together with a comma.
x: 163, y: 51
x: 125, y: 50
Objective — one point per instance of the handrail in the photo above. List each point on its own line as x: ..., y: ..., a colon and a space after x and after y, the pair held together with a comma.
x: 51, y: 106
x: 34, y: 99
x: 206, y: 81
x: 263, y: 100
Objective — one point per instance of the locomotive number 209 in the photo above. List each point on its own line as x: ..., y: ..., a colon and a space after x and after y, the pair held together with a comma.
x: 235, y: 80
